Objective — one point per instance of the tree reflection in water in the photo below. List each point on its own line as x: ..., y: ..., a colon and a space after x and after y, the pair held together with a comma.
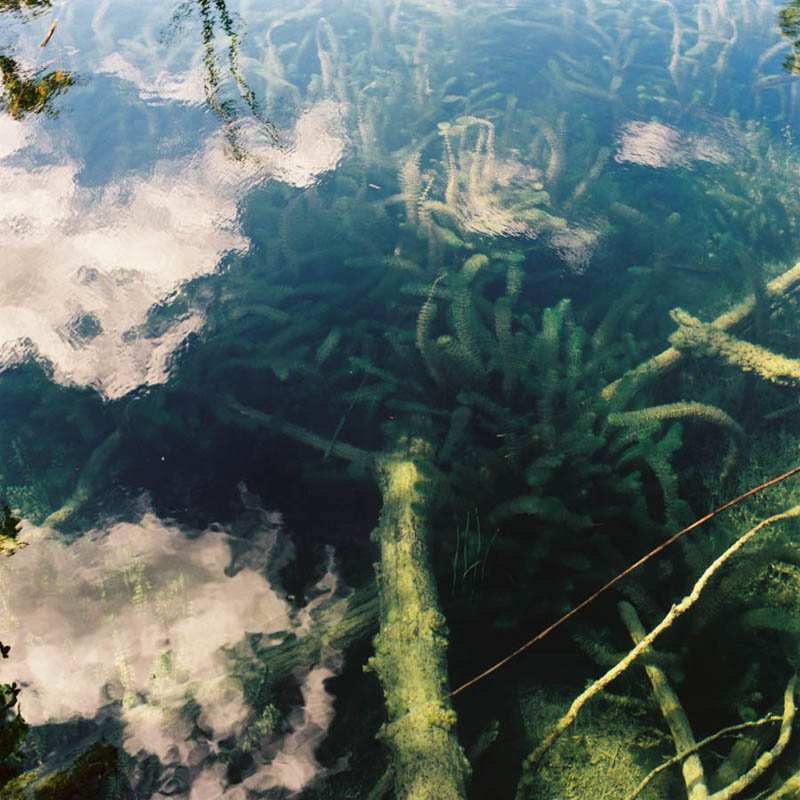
x: 31, y: 7
x: 26, y: 91
x: 29, y: 91
x: 213, y: 15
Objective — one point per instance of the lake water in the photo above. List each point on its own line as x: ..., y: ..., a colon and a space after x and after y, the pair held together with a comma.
x: 244, y: 247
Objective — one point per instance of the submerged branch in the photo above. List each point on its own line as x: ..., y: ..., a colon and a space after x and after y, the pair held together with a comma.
x: 678, y: 757
x: 675, y: 612
x: 669, y: 358
x: 342, y: 450
x: 672, y: 710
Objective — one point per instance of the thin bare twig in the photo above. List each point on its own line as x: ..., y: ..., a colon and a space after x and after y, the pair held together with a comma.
x: 647, y: 641
x: 677, y: 758
x: 50, y: 33
x: 539, y: 636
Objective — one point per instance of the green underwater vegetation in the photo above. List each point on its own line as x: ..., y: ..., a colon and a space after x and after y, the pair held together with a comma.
x: 549, y: 327
x: 522, y: 418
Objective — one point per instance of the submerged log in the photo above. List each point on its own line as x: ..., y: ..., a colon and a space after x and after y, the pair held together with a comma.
x: 410, y: 658
x: 777, y: 288
x: 411, y: 647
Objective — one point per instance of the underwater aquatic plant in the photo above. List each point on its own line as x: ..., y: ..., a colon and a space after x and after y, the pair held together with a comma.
x: 437, y: 336
x: 522, y: 429
x: 493, y: 396
x: 681, y: 731
x: 471, y: 365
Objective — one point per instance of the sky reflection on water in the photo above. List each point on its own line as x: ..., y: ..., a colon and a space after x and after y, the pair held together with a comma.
x: 203, y: 204
x: 84, y: 264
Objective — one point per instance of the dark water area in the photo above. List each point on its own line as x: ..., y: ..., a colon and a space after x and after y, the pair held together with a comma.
x: 250, y: 254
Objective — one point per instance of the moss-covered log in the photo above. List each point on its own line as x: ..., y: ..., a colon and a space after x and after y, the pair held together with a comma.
x: 411, y: 648
x: 777, y: 288
x: 96, y: 771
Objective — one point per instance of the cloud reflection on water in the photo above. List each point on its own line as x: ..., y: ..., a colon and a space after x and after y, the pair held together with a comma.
x: 83, y: 266
x: 106, y: 255
x: 131, y: 619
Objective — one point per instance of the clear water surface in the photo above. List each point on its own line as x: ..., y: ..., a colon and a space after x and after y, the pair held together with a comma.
x: 238, y: 237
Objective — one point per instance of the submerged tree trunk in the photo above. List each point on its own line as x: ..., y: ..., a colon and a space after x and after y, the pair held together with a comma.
x: 427, y: 762
x: 411, y: 648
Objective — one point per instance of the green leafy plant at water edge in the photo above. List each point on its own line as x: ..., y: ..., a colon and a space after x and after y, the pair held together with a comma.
x: 30, y: 94
x: 9, y: 525
x: 13, y: 731
x: 9, y: 530
x: 13, y: 728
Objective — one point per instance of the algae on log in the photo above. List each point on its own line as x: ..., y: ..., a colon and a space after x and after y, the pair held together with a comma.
x: 97, y: 771
x: 777, y: 288
x: 411, y: 647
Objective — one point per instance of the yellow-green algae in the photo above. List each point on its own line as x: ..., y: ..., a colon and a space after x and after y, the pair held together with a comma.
x: 708, y: 340
x: 411, y: 648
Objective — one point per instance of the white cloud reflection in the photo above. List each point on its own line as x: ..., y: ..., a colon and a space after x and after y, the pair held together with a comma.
x: 154, y: 83
x: 82, y: 267
x: 133, y: 618
x: 315, y: 145
x: 654, y: 144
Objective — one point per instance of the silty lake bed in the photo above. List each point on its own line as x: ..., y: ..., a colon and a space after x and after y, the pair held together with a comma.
x: 345, y: 346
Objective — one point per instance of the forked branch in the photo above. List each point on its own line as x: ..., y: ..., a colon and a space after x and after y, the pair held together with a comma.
x: 647, y: 641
